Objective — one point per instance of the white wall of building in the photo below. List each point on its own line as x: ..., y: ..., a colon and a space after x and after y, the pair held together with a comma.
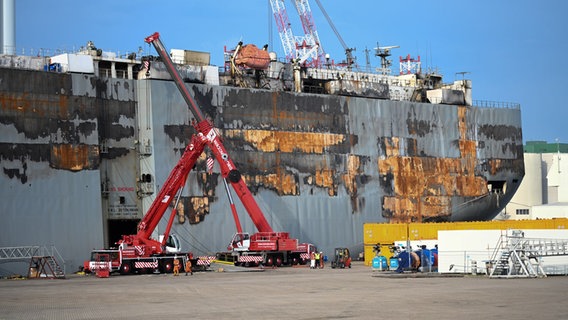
x: 543, y: 193
x: 550, y: 211
x: 557, y: 176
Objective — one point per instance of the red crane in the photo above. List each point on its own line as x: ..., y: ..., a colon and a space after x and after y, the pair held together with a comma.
x: 139, y: 252
x: 265, y: 246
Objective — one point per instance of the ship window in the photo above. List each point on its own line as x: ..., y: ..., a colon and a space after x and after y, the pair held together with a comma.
x: 522, y: 211
x: 105, y: 69
x: 121, y: 70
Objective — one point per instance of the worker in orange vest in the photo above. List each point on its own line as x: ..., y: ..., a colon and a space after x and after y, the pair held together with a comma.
x: 188, y: 266
x: 176, y: 266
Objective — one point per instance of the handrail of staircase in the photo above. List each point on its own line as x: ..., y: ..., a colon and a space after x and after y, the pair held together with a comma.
x: 53, y: 252
x: 497, y: 248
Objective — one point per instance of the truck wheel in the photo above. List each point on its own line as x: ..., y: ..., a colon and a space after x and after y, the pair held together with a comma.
x: 167, y: 266
x: 125, y: 268
x: 278, y: 261
x: 294, y: 261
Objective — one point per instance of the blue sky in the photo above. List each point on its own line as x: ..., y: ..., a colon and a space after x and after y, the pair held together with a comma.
x: 514, y: 51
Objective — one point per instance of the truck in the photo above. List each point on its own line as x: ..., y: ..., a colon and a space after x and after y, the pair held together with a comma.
x: 266, y: 246
x: 141, y: 253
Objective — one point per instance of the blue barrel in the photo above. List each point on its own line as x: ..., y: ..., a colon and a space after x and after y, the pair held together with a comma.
x: 380, y: 263
x: 434, y: 257
x: 404, y: 261
x: 393, y: 263
x: 426, y: 258
x: 408, y: 261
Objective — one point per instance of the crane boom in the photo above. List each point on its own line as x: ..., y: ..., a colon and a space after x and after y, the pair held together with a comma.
x: 170, y: 189
x: 332, y: 25
x: 213, y: 140
x: 155, y: 40
x: 348, y: 51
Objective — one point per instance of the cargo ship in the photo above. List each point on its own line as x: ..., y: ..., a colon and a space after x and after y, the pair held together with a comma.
x: 88, y: 137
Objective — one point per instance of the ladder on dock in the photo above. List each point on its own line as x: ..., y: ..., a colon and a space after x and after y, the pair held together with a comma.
x: 43, y: 262
x: 518, y: 257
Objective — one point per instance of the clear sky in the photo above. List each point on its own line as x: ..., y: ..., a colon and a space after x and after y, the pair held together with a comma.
x: 514, y: 51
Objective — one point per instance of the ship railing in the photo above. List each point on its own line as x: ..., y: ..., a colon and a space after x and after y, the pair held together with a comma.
x: 47, y: 53
x: 483, y: 103
x: 496, y: 104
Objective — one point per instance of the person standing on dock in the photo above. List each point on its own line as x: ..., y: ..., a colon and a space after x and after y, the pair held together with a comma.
x: 188, y: 266
x: 312, y: 260
x: 176, y: 266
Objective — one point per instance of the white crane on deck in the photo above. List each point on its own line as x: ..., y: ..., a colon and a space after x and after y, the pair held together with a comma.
x: 308, y: 47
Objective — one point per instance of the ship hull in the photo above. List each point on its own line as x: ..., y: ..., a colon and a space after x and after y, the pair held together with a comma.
x: 77, y: 151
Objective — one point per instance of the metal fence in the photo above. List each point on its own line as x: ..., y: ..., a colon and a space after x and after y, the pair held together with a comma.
x: 25, y: 253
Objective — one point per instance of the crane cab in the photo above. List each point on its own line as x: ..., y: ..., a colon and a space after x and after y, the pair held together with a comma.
x: 240, y: 242
x: 173, y: 244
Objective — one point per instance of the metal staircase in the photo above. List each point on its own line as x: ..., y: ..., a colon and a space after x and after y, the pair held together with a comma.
x: 517, y: 256
x: 44, y: 262
x: 45, y: 267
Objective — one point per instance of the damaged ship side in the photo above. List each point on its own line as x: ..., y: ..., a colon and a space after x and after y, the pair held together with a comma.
x: 83, y: 154
x: 323, y: 165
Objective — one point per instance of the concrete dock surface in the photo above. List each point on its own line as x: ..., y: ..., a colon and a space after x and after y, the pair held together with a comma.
x: 284, y: 293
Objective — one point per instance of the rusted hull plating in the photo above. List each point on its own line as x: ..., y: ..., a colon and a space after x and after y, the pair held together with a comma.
x: 319, y: 166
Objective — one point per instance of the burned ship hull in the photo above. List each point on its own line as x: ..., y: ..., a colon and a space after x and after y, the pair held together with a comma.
x: 321, y: 166
x: 82, y: 157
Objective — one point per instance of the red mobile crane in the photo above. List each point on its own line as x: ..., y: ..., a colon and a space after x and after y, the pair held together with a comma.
x: 140, y: 252
x: 265, y: 246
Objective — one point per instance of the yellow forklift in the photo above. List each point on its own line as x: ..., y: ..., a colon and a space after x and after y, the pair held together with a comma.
x: 341, y: 259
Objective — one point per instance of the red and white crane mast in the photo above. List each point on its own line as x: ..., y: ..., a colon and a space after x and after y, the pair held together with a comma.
x: 284, y: 28
x: 306, y: 48
x: 311, y: 37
